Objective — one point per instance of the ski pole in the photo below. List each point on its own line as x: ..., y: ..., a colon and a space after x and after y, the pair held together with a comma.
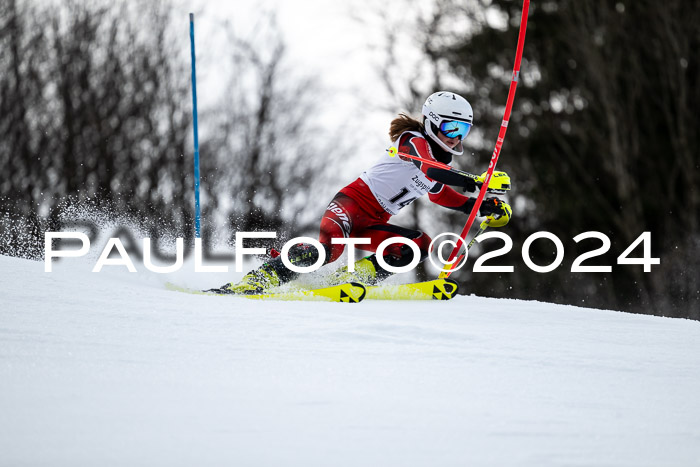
x: 197, y: 232
x: 499, y: 142
x: 482, y: 228
x: 500, y: 186
x: 439, y: 165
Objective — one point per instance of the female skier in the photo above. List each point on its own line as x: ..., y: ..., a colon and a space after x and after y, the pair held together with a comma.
x: 363, y: 208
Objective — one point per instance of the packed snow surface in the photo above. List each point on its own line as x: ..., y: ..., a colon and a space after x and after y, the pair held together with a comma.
x: 112, y: 369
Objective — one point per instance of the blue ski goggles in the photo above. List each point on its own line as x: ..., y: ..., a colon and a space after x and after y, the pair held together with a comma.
x: 455, y: 129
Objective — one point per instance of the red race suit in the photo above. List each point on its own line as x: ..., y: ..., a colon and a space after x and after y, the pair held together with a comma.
x: 363, y: 208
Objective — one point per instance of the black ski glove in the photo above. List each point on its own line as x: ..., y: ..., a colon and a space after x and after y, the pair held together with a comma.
x: 491, y: 207
x: 470, y: 185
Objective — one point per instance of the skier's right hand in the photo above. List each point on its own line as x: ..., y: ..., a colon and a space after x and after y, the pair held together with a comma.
x: 470, y: 185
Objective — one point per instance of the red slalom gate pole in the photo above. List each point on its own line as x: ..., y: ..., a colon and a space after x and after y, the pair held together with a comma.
x: 449, y: 267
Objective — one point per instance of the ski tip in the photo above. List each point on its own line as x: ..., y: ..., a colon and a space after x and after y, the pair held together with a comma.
x: 446, y: 291
x: 364, y: 290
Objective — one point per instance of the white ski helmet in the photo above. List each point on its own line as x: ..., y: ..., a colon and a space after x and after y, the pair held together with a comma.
x: 440, y: 110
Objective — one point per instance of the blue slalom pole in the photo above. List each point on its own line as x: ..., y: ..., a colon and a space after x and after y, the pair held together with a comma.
x: 197, y: 231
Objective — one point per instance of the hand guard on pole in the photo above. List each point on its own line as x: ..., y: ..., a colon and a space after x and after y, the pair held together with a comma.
x: 500, y: 218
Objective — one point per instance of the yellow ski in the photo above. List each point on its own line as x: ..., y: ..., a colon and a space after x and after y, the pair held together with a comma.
x: 352, y: 292
x: 438, y: 289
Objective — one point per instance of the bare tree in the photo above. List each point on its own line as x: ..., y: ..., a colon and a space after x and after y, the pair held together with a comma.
x: 273, y: 156
x: 92, y: 112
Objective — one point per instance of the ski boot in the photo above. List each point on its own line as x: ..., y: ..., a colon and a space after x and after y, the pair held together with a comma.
x: 255, y: 282
x: 367, y: 271
x: 273, y: 273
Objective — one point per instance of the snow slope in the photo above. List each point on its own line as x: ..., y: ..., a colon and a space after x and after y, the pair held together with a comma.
x: 111, y: 369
